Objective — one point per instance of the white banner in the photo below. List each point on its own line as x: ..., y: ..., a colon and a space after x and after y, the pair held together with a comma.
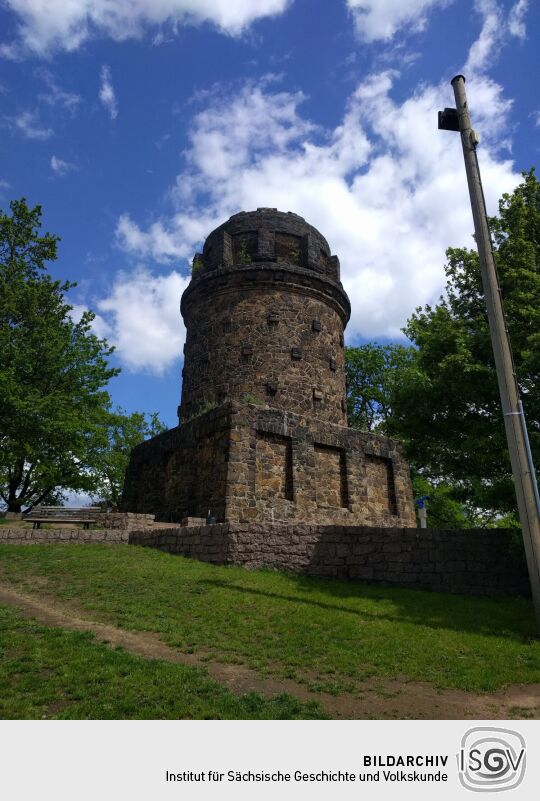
x: 136, y: 760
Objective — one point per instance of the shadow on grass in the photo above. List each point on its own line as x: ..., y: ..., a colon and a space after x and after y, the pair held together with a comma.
x: 512, y: 618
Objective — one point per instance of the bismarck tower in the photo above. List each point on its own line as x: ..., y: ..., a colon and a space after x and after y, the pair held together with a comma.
x: 263, y: 435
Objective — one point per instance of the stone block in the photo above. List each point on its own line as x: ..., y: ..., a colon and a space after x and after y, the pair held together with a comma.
x: 391, y: 547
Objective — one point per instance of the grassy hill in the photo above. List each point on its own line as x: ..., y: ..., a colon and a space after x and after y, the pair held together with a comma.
x: 330, y: 636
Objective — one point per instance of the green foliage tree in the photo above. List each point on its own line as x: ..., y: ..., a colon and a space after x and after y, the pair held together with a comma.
x: 441, y: 399
x: 53, y: 405
x: 373, y: 373
x: 449, y: 410
x: 123, y: 434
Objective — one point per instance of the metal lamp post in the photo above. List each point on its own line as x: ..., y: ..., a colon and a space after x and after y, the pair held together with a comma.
x: 458, y: 119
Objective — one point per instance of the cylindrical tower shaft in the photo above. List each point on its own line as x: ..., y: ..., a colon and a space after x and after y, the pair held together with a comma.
x: 265, y: 314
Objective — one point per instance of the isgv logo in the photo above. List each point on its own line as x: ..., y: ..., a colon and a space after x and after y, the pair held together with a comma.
x: 491, y: 759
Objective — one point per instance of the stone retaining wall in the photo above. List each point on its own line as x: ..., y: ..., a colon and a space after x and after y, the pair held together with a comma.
x: 129, y: 521
x: 29, y: 536
x: 471, y: 562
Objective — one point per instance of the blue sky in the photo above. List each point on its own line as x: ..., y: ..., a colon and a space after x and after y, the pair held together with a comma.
x: 140, y: 126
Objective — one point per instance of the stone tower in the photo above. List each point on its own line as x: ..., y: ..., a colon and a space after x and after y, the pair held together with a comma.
x: 265, y: 314
x: 263, y: 433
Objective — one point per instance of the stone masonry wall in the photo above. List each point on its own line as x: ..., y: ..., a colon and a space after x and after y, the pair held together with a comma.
x: 286, y: 467
x: 268, y: 235
x: 265, y: 313
x: 246, y: 462
x: 182, y: 472
x: 28, y: 536
x: 472, y: 562
x: 275, y: 345
x: 125, y: 520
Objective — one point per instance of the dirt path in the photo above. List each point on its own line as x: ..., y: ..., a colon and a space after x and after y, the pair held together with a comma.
x: 376, y: 699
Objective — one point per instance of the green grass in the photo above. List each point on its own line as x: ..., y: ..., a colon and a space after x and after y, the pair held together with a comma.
x: 331, y: 635
x: 52, y: 673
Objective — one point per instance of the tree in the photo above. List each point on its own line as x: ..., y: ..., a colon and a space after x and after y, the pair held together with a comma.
x: 53, y: 405
x: 451, y: 413
x: 442, y: 401
x: 123, y: 434
x: 373, y: 373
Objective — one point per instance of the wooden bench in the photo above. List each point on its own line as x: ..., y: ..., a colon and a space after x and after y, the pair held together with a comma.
x: 61, y: 514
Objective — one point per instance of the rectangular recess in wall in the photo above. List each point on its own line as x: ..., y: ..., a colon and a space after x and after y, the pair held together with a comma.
x: 380, y: 478
x: 244, y: 247
x: 331, y: 476
x: 274, y: 466
x: 288, y: 248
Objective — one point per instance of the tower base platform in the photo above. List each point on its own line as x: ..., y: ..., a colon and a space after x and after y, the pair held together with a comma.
x: 242, y: 462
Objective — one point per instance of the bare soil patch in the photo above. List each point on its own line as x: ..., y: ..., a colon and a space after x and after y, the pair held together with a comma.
x: 376, y: 699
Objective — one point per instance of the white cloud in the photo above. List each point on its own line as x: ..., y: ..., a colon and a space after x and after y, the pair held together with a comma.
x: 51, y: 103
x: 10, y: 51
x: 158, y: 243
x: 29, y: 124
x: 61, y: 167
x: 483, y: 50
x: 100, y: 327
x: 142, y: 316
x: 55, y: 95
x: 516, y: 23
x: 107, y: 94
x: 66, y: 24
x: 497, y: 28
x: 382, y: 19
x: 216, y: 151
x: 385, y: 187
